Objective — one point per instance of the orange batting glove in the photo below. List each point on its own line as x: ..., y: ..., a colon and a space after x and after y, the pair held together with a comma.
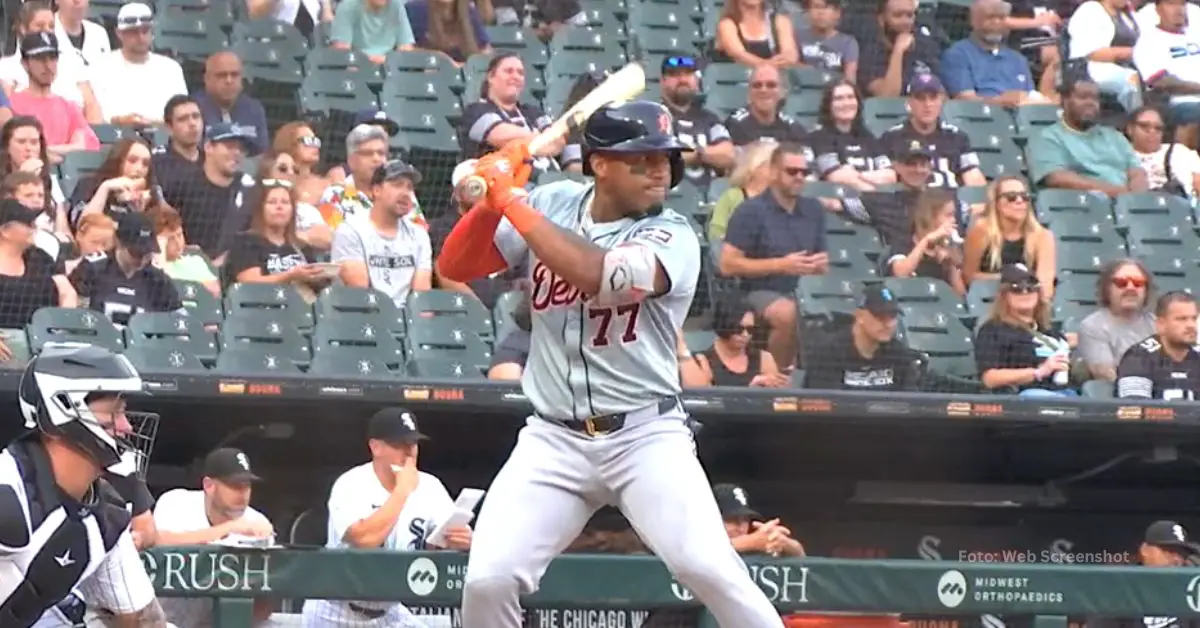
x: 502, y: 178
x: 516, y: 154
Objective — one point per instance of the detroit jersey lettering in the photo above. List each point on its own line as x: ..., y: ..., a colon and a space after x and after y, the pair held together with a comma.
x: 588, y: 361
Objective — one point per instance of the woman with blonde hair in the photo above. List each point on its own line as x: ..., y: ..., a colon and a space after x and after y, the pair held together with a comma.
x: 298, y: 140
x: 935, y: 248
x: 751, y: 32
x: 1007, y: 232
x: 749, y: 178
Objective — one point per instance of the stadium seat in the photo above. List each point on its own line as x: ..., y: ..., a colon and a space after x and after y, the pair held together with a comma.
x: 822, y: 298
x: 73, y: 325
x: 809, y: 80
x: 724, y: 100
x: 259, y: 54
x: 346, y: 63
x: 352, y: 362
x: 167, y: 331
x: 371, y: 339
x: 699, y: 340
x: 218, y: 14
x: 265, y: 327
x: 1129, y: 209
x: 325, y: 91
x: 805, y: 107
x: 521, y: 40
x: 111, y: 134
x: 466, y: 312
x: 925, y: 294
x: 434, y: 140
x: 408, y: 87
x: 1076, y: 290
x: 1083, y: 258
x: 150, y: 358
x: 597, y: 16
x: 946, y: 346
x: 282, y: 36
x: 972, y: 194
x: 103, y: 11
x: 977, y: 117
x: 272, y: 76
x: 361, y: 304
x: 659, y: 43
x: 1079, y: 230
x: 427, y: 65
x: 1151, y: 234
x: 1071, y: 204
x: 863, y: 241
x: 443, y: 337
x: 1032, y: 118
x: 1173, y: 283
x: 506, y: 304
x: 79, y: 164
x: 687, y: 200
x: 443, y: 367
x: 826, y: 189
x: 980, y: 295
x: 1165, y: 262
x: 1097, y: 389
x: 282, y: 301
x: 256, y: 359
x: 188, y: 39
x: 200, y: 303
x: 881, y: 114
x: 571, y: 64
x: 726, y: 75
x: 998, y: 156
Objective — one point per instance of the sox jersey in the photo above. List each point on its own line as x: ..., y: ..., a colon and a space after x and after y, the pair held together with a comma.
x: 586, y: 360
x: 355, y: 495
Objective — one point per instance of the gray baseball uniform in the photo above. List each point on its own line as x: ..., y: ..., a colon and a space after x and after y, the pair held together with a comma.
x: 587, y: 361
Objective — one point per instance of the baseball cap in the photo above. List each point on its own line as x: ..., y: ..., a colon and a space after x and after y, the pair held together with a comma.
x: 394, y: 426
x: 906, y: 149
x: 1170, y: 535
x: 680, y: 63
x: 925, y: 83
x: 135, y: 233
x: 229, y: 465
x: 11, y: 210
x: 230, y: 132
x: 1017, y: 276
x: 879, y: 301
x: 733, y: 502
x: 134, y: 15
x: 395, y: 169
x: 462, y: 171
x: 376, y: 117
x: 38, y: 45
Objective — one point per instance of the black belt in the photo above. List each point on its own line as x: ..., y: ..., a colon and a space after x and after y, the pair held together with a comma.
x: 369, y: 613
x: 602, y: 424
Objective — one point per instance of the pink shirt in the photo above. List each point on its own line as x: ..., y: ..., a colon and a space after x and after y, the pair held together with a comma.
x: 60, y: 118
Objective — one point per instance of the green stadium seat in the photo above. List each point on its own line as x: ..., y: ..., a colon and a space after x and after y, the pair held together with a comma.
x: 520, y: 40
x: 329, y: 90
x: 980, y: 295
x: 165, y: 358
x: 925, y: 294
x: 949, y: 359
x: 998, y: 155
x: 191, y: 39
x: 686, y: 199
x: 1164, y: 262
x: 443, y: 367
x: 104, y: 11
x: 655, y: 17
x: 369, y: 338
x: 823, y: 298
x: 502, y: 313
x: 1079, y: 230
x: 724, y: 100
x: 265, y: 328
x: 826, y: 189
x: 426, y: 65
x: 1129, y: 209
x: 281, y: 301
x: 283, y: 37
x: 17, y: 342
x: 804, y: 106
x: 349, y: 362
x: 218, y: 14
x: 362, y: 304
x: 402, y: 88
x: 600, y: 17
x: 806, y: 80
x: 698, y: 340
x: 263, y: 55
x: 661, y: 42
x: 167, y: 331
x: 425, y: 124
x: 1071, y: 204
x: 273, y: 76
x: 1076, y: 290
x: 256, y: 360
x: 444, y: 337
x: 978, y: 117
x: 881, y: 114
x: 864, y: 241
x: 575, y: 63
x: 1097, y: 389
x: 1084, y: 258
x: 200, y: 303
x: 81, y: 163
x: 1175, y: 283
x: 1069, y: 315
x: 725, y: 74
x: 1032, y: 118
x: 73, y: 325
x: 346, y: 63
x: 972, y: 194
x: 466, y: 312
x: 111, y: 134
x: 1149, y: 234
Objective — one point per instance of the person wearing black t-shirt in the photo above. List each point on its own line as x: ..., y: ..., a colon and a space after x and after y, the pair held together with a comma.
x: 731, y: 361
x: 762, y: 118
x: 934, y: 251
x: 29, y: 278
x: 1018, y: 347
x: 710, y: 149
x: 955, y: 164
x: 210, y: 198
x: 124, y: 182
x: 499, y: 116
x: 182, y: 153
x: 890, y: 211
x: 899, y: 51
x: 844, y: 150
x: 270, y: 252
x: 865, y: 355
x: 1166, y: 365
x: 124, y: 282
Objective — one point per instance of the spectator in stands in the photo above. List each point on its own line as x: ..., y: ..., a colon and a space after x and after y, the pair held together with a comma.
x: 982, y: 68
x: 499, y: 116
x: 270, y: 251
x: 1035, y: 27
x: 936, y: 249
x: 845, y: 151
x: 311, y: 228
x: 889, y: 212
x: 864, y: 355
x: 1147, y: 16
x: 70, y: 81
x: 158, y: 77
x: 181, y: 156
x: 762, y: 118
x: 731, y: 361
x: 822, y: 46
x: 1166, y: 60
x: 175, y: 259
x: 219, y: 511
x: 26, y: 189
x: 1170, y: 167
x: 124, y: 182
x: 898, y: 54
x: 23, y: 148
x: 1078, y: 153
x: 752, y: 32
x: 488, y: 289
x: 29, y: 278
x: 571, y: 158
x: 366, y: 150
x: 223, y: 99
x: 383, y: 250
x: 1017, y: 347
x: 510, y: 354
x: 82, y: 37
x: 211, y: 198
x: 1104, y: 33
x: 1123, y: 290
x: 747, y: 530
x: 125, y: 282
x: 371, y: 116
x: 376, y: 27
x: 451, y: 27
x: 95, y: 235
x: 750, y: 177
x: 1165, y: 365
x: 300, y: 141
x: 773, y: 239
x: 546, y: 17
x: 954, y: 162
x: 63, y: 123
x: 1008, y: 232
x: 711, y: 149
x: 303, y: 14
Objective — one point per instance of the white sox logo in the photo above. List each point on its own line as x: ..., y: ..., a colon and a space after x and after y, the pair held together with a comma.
x: 550, y: 291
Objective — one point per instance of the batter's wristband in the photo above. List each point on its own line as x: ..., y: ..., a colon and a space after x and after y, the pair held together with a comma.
x: 523, y: 217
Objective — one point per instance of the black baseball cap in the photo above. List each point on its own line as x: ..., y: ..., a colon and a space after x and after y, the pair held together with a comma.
x: 905, y: 149
x: 38, y: 45
x: 733, y: 502
x: 377, y: 117
x: 1017, y: 276
x: 229, y: 465
x: 231, y: 132
x: 879, y: 301
x: 925, y: 83
x: 11, y: 210
x: 395, y: 169
x: 1170, y: 535
x: 135, y: 233
x: 394, y: 426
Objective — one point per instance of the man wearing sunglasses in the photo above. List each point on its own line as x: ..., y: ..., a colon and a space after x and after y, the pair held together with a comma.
x: 762, y: 118
x: 709, y: 147
x: 134, y: 84
x: 1123, y: 319
x: 1166, y: 365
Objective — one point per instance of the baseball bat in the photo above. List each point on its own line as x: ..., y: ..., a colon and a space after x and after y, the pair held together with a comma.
x: 624, y: 84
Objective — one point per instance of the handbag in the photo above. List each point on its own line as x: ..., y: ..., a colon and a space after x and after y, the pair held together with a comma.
x: 1172, y: 186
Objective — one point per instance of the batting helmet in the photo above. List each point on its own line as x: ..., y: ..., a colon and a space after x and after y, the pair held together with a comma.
x: 633, y: 127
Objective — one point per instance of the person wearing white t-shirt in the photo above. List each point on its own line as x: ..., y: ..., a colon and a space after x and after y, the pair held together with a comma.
x: 385, y: 503
x: 85, y: 38
x: 70, y: 82
x: 219, y: 512
x: 383, y: 250
x: 133, y: 84
x: 1168, y: 60
x: 1147, y: 16
x: 1103, y: 32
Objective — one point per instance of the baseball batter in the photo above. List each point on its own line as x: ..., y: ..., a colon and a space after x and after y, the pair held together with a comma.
x: 613, y: 276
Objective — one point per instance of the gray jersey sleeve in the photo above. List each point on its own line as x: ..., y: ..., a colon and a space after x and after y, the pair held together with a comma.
x: 674, y: 244
x: 347, y: 245
x: 556, y: 201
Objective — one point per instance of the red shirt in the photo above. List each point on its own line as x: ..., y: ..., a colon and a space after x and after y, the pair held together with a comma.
x: 60, y: 118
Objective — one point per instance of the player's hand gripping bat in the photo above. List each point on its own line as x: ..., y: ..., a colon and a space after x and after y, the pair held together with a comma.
x: 624, y: 84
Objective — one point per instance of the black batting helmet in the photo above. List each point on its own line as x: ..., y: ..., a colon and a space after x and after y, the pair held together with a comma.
x: 633, y: 127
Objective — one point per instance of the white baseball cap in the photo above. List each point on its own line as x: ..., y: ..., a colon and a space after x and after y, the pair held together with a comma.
x: 462, y: 171
x: 134, y: 15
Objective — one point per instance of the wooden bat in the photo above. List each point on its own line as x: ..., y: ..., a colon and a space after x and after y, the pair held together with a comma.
x: 624, y: 84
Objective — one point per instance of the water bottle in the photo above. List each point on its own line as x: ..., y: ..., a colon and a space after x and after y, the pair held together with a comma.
x: 1061, y: 377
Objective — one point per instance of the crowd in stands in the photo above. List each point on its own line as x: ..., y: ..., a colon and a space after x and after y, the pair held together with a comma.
x: 873, y: 175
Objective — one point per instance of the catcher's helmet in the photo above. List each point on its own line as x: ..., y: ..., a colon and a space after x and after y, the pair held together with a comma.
x: 633, y: 127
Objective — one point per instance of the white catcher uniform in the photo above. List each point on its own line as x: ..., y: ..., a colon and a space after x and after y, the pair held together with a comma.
x: 592, y: 362
x: 355, y: 495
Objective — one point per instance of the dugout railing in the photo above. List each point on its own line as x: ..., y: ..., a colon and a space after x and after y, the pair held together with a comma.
x: 1050, y: 593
